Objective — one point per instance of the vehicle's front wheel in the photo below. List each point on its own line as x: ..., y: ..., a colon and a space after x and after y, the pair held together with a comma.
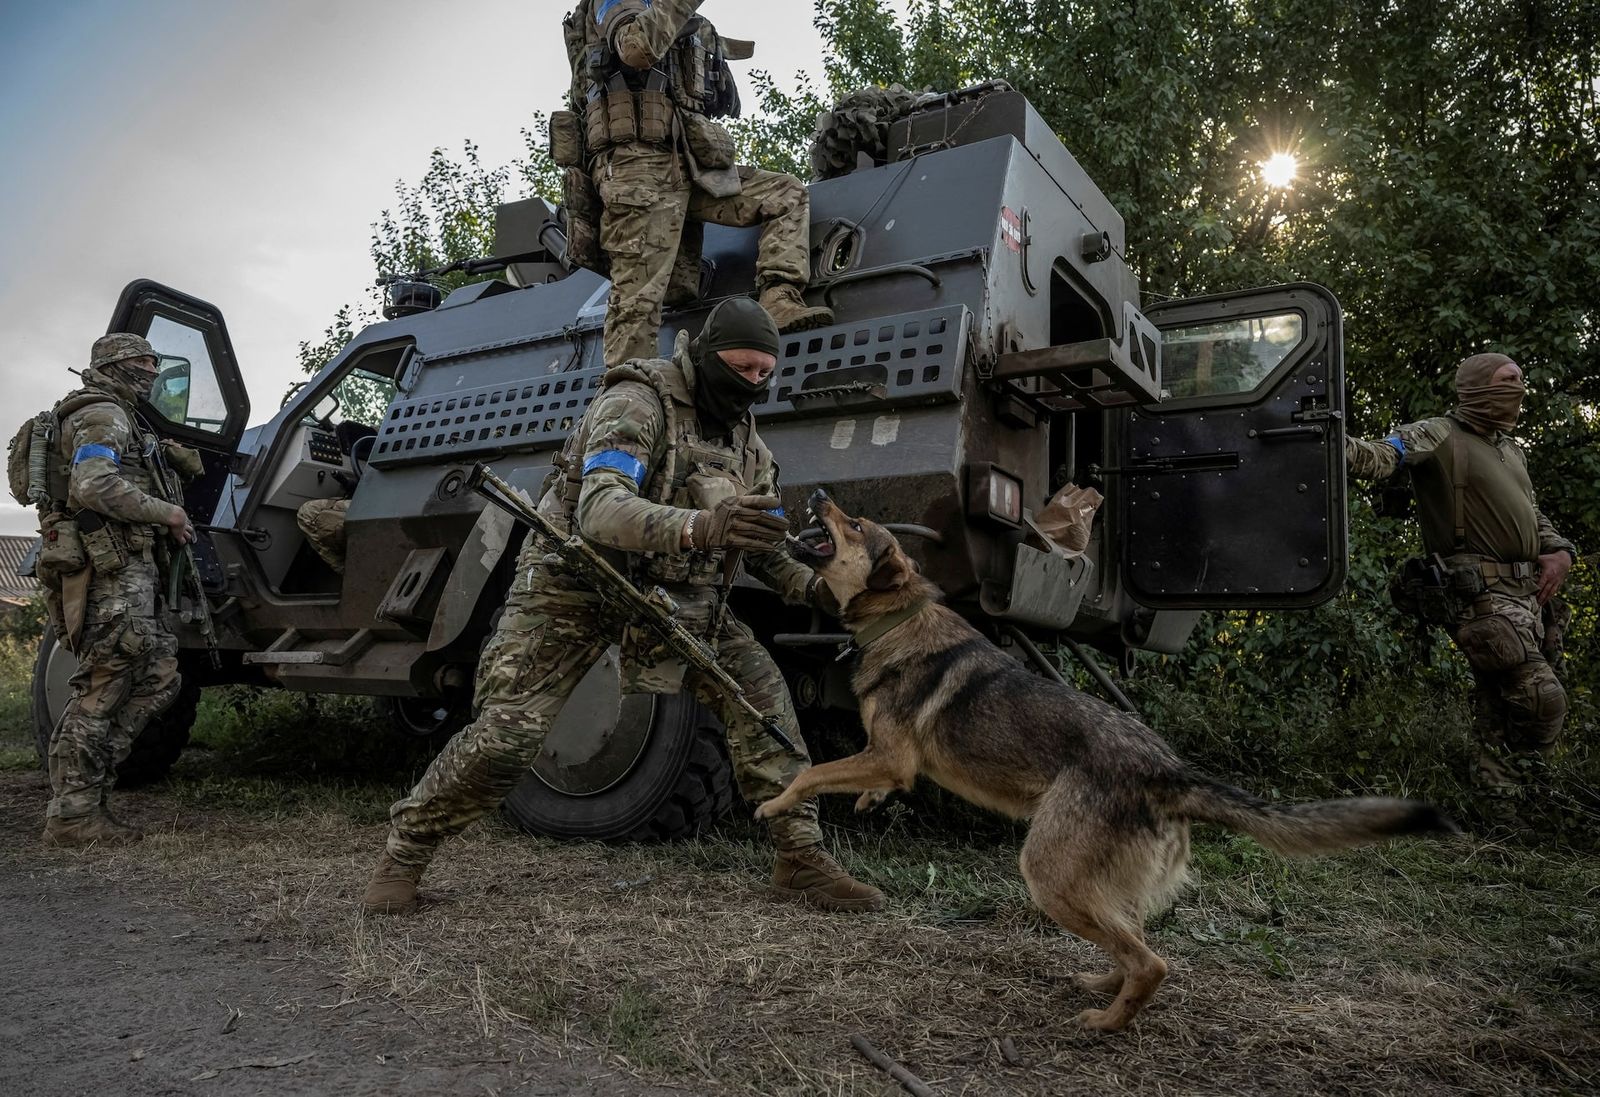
x: 156, y: 748
x: 625, y: 767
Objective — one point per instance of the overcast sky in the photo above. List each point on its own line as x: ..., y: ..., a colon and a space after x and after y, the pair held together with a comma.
x: 241, y: 152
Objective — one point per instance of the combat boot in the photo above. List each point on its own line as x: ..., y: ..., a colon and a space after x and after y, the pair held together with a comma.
x: 393, y: 887
x: 810, y: 876
x: 87, y: 830
x: 790, y: 311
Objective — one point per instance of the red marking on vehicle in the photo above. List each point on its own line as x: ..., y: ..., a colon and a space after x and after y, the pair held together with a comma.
x: 1010, y: 228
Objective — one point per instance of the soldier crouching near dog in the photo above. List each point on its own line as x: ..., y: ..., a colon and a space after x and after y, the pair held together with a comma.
x: 650, y: 80
x: 1493, y: 568
x: 666, y: 470
x: 102, y: 526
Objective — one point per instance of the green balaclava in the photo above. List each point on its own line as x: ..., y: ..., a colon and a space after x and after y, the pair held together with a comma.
x: 721, y: 396
x: 110, y: 369
x: 1483, y: 404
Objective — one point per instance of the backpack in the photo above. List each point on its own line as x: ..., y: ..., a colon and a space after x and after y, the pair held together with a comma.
x: 34, y: 473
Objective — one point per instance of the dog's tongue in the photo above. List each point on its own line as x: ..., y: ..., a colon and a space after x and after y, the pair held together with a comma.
x: 823, y: 548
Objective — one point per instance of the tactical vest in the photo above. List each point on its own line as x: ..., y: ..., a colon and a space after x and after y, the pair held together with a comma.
x: 693, y: 474
x: 619, y: 104
x: 108, y: 542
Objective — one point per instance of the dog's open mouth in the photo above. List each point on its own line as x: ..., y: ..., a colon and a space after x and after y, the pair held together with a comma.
x: 812, y: 546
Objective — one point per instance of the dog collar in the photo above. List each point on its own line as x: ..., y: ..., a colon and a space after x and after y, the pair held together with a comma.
x: 880, y: 628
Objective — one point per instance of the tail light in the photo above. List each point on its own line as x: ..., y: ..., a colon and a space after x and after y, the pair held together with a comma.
x: 994, y: 494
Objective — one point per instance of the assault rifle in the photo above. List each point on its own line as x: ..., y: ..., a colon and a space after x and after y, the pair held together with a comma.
x: 183, y: 565
x: 655, y: 610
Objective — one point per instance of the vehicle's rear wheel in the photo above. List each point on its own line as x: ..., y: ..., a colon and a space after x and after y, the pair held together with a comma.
x: 156, y: 748
x: 625, y: 767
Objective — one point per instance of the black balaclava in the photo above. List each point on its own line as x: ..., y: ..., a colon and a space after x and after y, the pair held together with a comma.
x: 721, y: 396
x: 1485, y: 405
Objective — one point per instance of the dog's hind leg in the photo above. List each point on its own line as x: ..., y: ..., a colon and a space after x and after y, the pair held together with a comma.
x: 1094, y: 882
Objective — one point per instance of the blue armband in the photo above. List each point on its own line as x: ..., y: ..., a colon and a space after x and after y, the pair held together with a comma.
x: 1398, y: 444
x: 618, y: 460
x: 86, y: 452
x: 603, y: 8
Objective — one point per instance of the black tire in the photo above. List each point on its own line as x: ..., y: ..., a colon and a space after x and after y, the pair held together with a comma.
x: 680, y: 784
x: 156, y: 748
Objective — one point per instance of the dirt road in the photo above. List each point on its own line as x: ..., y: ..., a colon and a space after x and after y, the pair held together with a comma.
x: 544, y: 968
x: 112, y: 987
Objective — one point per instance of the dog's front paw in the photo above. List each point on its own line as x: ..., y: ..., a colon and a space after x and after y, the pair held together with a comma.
x: 871, y: 799
x: 769, y: 809
x: 1103, y: 1020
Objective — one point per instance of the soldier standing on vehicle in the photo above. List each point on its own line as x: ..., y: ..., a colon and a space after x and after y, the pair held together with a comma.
x: 665, y: 470
x: 105, y: 612
x: 1497, y: 565
x: 649, y: 80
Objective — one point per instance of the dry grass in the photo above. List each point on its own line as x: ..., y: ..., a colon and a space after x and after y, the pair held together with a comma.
x: 1459, y: 969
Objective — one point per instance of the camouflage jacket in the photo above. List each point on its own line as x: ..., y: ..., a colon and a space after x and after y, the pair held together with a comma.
x: 1499, y: 515
x: 645, y: 468
x: 110, y: 465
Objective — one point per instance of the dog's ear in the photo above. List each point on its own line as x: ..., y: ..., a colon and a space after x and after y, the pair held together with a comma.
x: 890, y: 572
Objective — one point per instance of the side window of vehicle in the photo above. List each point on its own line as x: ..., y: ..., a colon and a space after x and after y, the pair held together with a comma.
x: 186, y: 391
x: 1226, y: 358
x: 360, y: 397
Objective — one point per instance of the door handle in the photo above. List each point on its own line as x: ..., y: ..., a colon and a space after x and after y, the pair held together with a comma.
x: 1276, y: 434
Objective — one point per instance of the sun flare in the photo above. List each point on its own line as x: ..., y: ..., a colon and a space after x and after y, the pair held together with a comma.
x: 1278, y: 170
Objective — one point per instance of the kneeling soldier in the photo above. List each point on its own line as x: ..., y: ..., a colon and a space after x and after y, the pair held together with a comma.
x: 665, y: 466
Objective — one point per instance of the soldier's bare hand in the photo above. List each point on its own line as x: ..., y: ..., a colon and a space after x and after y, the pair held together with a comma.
x: 179, y: 526
x: 743, y: 522
x: 1553, y: 568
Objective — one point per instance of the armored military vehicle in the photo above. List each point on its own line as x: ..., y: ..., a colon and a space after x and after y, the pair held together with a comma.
x: 990, y: 347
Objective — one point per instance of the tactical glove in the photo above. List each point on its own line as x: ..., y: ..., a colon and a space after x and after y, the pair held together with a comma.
x: 742, y: 522
x: 181, y: 459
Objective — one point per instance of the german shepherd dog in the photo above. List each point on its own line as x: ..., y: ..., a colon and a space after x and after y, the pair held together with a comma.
x: 1110, y: 801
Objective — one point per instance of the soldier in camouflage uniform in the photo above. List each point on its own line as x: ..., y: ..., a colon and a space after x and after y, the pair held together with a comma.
x: 648, y: 79
x: 667, y: 471
x: 106, y: 614
x: 1477, y: 511
x: 323, y: 522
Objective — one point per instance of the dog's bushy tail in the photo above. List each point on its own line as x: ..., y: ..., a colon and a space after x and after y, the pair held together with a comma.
x: 1322, y: 826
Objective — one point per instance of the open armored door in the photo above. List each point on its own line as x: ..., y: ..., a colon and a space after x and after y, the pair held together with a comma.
x: 1234, y: 483
x: 198, y: 397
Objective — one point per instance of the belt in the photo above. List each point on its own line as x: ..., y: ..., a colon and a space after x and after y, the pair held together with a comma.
x: 1517, y: 579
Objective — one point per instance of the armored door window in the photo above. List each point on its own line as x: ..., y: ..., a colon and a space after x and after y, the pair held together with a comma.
x: 1234, y: 356
x: 186, y: 391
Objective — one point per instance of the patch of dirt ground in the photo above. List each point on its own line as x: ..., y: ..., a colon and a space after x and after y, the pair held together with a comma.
x: 1440, y: 969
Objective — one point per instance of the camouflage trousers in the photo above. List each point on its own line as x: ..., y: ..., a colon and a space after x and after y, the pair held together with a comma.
x: 551, y: 632
x: 322, y: 521
x: 1518, y: 705
x: 651, y: 228
x: 127, y: 675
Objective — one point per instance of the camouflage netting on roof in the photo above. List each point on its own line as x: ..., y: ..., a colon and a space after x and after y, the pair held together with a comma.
x: 859, y: 123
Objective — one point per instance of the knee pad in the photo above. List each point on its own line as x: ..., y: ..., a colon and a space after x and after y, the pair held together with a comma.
x: 1538, y: 703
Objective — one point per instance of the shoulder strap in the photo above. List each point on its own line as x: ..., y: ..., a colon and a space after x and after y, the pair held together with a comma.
x: 1460, y: 466
x: 76, y: 401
